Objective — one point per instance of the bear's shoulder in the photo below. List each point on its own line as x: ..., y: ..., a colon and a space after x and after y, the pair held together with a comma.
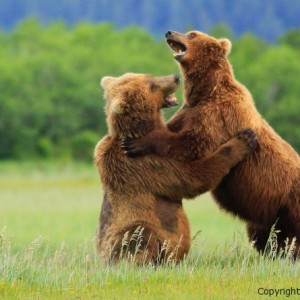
x: 102, y: 150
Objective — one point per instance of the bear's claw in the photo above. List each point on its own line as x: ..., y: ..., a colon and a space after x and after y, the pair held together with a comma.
x: 249, y: 136
x: 131, y: 148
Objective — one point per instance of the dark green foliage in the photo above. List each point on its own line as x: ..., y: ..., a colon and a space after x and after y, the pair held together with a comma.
x: 83, y: 145
x: 51, y: 103
x: 291, y: 38
x: 49, y: 83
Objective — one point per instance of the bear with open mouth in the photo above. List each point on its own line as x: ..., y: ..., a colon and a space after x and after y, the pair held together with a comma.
x: 264, y: 189
x: 142, y: 215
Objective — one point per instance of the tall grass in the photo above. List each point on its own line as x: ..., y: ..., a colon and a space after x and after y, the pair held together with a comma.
x: 234, y: 272
x: 48, y: 219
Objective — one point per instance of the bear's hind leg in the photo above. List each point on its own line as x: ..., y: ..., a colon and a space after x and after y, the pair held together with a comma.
x: 259, y: 236
x: 273, y: 244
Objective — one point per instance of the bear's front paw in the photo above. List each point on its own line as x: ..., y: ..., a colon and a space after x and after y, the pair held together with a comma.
x: 248, y: 136
x: 134, y: 147
x: 241, y: 145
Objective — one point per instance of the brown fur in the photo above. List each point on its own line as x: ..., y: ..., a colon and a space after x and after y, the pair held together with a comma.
x: 147, y: 192
x: 265, y: 188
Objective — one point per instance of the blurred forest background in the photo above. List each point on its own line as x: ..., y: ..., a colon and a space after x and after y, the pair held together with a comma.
x: 266, y: 19
x: 53, y: 54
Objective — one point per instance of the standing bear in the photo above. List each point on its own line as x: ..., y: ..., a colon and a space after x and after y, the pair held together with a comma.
x: 264, y: 189
x: 142, y: 214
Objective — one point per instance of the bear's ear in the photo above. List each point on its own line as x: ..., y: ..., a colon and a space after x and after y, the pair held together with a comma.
x: 106, y: 81
x: 226, y: 45
x: 116, y: 106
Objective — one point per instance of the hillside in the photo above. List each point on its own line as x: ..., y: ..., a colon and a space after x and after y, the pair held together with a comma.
x: 266, y: 19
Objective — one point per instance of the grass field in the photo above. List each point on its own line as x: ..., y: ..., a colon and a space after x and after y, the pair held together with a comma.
x: 48, y: 217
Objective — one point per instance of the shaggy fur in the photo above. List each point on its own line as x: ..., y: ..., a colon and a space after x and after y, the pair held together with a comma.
x: 147, y: 192
x: 262, y: 190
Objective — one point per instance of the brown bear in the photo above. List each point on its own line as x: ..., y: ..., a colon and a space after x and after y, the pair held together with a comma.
x: 264, y: 189
x: 142, y: 214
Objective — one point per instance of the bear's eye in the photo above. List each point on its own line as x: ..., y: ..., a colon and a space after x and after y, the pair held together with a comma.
x: 192, y: 35
x: 153, y: 87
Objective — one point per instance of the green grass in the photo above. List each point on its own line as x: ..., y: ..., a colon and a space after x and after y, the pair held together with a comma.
x: 48, y: 216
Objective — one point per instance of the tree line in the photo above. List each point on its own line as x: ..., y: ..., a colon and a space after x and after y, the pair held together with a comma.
x: 266, y: 19
x: 51, y: 103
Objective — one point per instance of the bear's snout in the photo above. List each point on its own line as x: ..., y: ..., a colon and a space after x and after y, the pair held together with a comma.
x: 168, y: 34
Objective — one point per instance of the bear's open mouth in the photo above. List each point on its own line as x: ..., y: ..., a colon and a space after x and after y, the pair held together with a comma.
x: 178, y: 48
x: 170, y: 101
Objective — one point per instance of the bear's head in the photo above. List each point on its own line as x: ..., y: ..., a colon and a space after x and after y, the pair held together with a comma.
x: 204, y: 65
x: 198, y: 52
x: 133, y: 102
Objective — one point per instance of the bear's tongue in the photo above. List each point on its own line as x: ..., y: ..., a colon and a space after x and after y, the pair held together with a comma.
x: 171, y: 100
